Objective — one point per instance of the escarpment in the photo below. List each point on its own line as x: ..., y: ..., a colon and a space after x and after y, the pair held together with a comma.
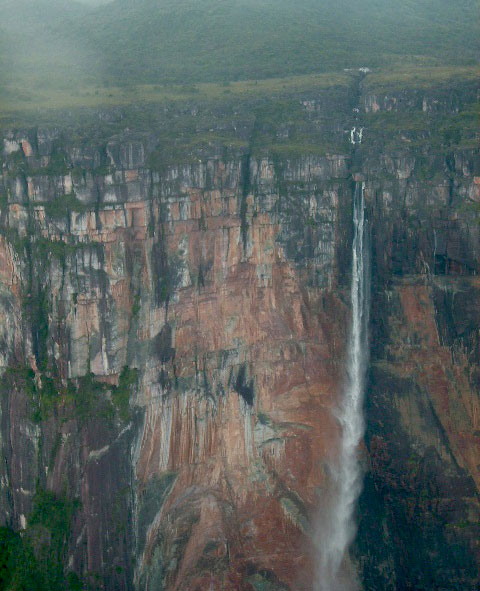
x: 173, y: 337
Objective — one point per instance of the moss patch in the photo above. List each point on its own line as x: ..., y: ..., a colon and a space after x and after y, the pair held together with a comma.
x: 121, y: 394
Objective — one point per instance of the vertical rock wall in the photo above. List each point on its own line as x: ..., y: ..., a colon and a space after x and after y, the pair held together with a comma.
x: 173, y: 340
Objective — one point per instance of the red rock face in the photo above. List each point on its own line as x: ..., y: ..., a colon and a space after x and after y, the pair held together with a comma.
x: 225, y: 284
x: 249, y: 435
x: 445, y: 376
x: 238, y: 333
x: 242, y: 414
x: 423, y: 428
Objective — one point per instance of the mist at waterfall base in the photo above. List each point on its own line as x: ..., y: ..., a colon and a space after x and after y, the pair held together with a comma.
x: 336, y: 528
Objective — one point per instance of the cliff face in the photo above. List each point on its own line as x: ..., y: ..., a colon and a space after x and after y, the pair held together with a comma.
x: 420, y: 503
x: 173, y: 341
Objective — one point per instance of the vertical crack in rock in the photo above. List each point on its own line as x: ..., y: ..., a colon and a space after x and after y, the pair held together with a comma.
x: 244, y: 386
x: 245, y: 184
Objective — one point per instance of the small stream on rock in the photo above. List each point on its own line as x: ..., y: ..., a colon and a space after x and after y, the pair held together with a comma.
x: 337, y: 528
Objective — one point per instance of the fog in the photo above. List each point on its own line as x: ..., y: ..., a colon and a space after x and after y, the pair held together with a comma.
x: 94, y: 2
x: 50, y: 45
x: 37, y: 51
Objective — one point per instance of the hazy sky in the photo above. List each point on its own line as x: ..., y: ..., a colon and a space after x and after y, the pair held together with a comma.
x: 94, y: 2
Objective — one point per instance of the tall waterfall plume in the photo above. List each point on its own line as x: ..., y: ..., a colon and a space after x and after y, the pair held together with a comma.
x: 337, y: 528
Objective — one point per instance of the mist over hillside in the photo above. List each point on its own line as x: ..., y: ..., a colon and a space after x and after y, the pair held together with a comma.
x: 37, y: 49
x: 128, y: 42
x: 211, y: 40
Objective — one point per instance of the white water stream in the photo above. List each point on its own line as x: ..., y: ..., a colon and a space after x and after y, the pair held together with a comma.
x: 336, y: 529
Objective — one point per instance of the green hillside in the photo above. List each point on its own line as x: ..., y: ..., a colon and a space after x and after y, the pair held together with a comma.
x: 206, y: 40
x: 58, y: 53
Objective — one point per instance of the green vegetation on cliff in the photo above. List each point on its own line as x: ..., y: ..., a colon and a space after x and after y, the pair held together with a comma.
x: 34, y: 559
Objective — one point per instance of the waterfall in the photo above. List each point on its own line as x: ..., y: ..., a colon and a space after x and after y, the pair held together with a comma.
x: 337, y: 528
